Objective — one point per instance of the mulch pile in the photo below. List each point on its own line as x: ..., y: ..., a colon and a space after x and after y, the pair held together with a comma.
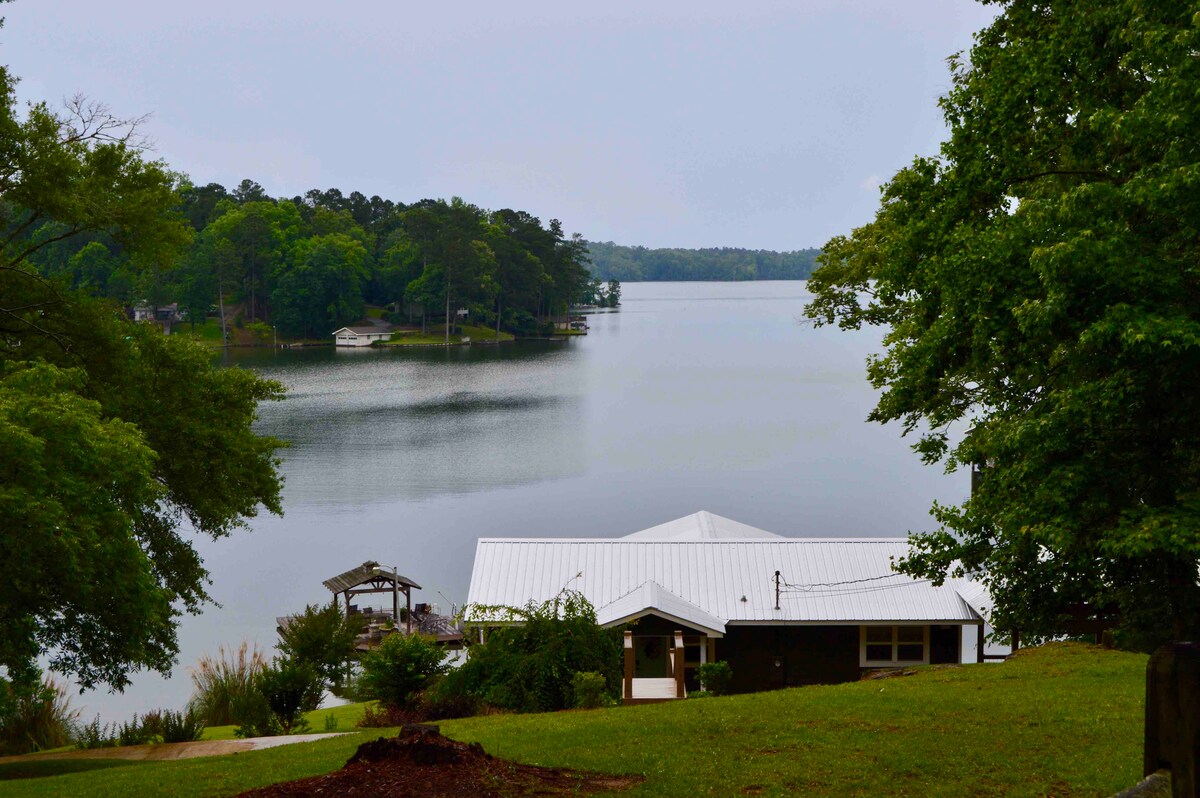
x: 421, y: 763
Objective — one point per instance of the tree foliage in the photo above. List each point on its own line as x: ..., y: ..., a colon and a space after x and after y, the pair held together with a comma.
x: 634, y: 264
x: 400, y: 668
x: 529, y: 664
x: 323, y: 637
x: 1039, y: 282
x: 117, y: 441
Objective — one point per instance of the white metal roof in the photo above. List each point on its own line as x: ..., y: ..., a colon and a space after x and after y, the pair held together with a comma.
x: 651, y: 596
x: 702, y: 526
x: 729, y: 578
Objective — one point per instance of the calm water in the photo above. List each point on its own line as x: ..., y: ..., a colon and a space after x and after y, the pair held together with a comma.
x: 712, y: 396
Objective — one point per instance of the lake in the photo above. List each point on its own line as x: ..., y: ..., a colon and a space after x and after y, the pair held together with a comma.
x: 691, y: 396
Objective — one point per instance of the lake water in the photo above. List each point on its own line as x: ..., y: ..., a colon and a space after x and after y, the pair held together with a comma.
x: 691, y: 396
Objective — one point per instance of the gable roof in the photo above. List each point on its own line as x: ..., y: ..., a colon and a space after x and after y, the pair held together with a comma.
x: 702, y: 526
x: 730, y: 578
x: 364, y: 331
x: 366, y: 572
x: 652, y: 598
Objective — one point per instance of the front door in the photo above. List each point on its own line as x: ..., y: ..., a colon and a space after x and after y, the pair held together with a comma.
x: 651, y: 657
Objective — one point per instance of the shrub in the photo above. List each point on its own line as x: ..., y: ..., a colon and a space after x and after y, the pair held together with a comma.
x: 528, y: 666
x: 254, y: 717
x: 322, y: 637
x: 223, y: 681
x: 400, y: 668
x: 715, y: 677
x: 133, y: 733
x: 96, y: 735
x: 36, y: 718
x: 177, y: 727
x: 386, y: 716
x: 589, y: 690
x: 290, y: 687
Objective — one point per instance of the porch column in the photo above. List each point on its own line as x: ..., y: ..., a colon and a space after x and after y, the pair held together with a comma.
x: 678, y: 656
x: 703, y: 650
x: 980, y: 638
x: 628, y: 665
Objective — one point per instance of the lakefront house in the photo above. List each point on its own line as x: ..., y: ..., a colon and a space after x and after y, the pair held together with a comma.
x: 782, y: 611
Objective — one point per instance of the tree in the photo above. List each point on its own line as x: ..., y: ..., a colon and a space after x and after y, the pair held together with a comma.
x: 323, y: 637
x: 1039, y: 281
x: 318, y: 288
x: 118, y: 442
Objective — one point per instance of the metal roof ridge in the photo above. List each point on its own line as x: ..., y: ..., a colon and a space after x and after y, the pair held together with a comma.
x: 705, y: 542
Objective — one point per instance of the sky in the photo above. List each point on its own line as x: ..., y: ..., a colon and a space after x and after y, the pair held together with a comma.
x: 765, y: 125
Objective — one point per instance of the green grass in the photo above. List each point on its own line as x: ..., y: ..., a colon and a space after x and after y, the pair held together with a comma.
x: 436, y: 336
x: 1061, y: 720
x: 347, y: 718
x: 209, y: 332
x: 375, y: 313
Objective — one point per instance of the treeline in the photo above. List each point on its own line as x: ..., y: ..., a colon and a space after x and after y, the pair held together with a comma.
x: 310, y: 264
x: 630, y: 264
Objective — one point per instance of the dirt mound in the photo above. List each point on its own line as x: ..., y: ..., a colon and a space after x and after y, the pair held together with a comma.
x: 421, y: 763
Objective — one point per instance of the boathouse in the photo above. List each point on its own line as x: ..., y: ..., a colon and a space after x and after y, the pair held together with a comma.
x: 359, y: 336
x: 782, y: 611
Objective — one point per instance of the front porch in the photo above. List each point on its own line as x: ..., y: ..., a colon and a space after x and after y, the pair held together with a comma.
x: 646, y: 689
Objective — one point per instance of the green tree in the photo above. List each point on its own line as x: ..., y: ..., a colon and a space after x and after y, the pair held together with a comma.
x: 1039, y: 283
x: 103, y: 422
x: 319, y: 286
x: 323, y: 637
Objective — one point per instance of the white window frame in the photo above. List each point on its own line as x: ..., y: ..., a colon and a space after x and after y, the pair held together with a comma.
x: 894, y: 662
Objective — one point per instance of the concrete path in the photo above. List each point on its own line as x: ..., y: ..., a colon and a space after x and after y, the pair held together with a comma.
x: 165, y: 751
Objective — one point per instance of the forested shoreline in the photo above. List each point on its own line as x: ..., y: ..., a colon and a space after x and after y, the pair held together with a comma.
x: 309, y: 264
x: 635, y: 264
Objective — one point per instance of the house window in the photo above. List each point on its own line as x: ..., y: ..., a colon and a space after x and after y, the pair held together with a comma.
x: 889, y: 646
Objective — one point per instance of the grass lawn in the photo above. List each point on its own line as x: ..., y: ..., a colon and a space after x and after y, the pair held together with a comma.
x: 1060, y: 720
x: 438, y: 336
x: 209, y: 332
x: 346, y: 718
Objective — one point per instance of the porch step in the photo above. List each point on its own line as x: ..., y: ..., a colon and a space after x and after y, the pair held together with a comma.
x: 653, y: 689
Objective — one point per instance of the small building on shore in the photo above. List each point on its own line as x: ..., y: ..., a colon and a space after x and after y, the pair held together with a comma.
x: 360, y: 336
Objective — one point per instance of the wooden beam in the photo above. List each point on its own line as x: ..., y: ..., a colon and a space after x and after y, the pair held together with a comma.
x: 979, y: 637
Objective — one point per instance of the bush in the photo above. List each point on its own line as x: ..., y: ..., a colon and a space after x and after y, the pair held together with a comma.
x: 224, y: 681
x: 177, y: 727
x: 291, y: 688
x: 96, y: 735
x: 715, y: 677
x: 386, y: 716
x: 528, y: 666
x: 589, y: 690
x: 400, y: 668
x: 35, y: 719
x: 254, y: 717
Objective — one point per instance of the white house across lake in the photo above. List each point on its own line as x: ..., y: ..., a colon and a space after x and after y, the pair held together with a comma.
x: 359, y: 336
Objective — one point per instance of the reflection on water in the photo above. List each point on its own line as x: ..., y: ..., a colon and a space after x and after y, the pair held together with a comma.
x: 369, y: 425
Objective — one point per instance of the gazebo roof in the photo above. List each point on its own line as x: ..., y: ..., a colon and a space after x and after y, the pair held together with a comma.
x: 367, y: 572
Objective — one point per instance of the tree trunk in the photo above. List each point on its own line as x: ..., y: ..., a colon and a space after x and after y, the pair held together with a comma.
x: 499, y: 307
x: 221, y: 305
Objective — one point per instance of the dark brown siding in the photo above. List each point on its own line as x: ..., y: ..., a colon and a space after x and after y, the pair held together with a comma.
x: 769, y: 657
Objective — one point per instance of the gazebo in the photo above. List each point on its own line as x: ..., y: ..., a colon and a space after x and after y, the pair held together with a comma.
x: 371, y: 578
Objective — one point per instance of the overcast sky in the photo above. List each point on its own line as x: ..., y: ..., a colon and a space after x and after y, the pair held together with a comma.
x: 759, y: 124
